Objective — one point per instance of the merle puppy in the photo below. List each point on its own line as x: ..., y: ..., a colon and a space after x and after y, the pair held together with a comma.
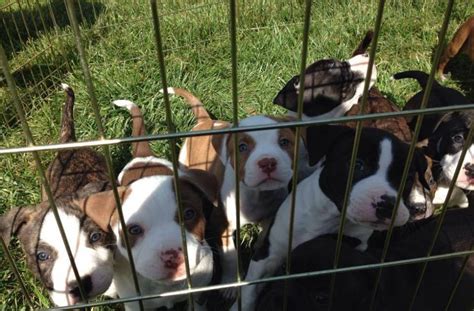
x: 72, y: 174
x: 444, y: 136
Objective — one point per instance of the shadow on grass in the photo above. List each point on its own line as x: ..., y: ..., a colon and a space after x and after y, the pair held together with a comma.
x: 28, y: 22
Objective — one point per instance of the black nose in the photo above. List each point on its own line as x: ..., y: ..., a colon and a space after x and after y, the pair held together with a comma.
x: 417, y: 209
x: 86, y: 282
x: 384, y: 207
x: 469, y: 167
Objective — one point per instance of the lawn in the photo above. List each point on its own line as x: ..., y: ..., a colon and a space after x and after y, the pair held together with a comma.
x: 118, y: 37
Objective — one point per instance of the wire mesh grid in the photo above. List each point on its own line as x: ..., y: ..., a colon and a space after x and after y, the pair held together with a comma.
x: 32, y: 70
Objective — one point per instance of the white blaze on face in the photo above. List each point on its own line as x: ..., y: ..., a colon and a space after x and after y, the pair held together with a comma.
x: 151, y: 204
x: 267, y: 145
x: 94, y: 262
x: 449, y: 163
x: 370, y: 190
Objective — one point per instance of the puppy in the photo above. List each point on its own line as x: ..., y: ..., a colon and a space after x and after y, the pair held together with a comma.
x: 320, y: 196
x: 316, y: 105
x: 150, y: 210
x: 331, y: 87
x: 265, y: 169
x: 72, y: 174
x: 463, y: 41
x: 444, y: 137
x: 354, y: 289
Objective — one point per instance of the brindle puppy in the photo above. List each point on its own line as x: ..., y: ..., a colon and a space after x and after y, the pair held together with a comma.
x: 73, y: 174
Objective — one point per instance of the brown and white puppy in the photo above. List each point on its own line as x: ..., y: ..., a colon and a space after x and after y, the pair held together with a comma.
x: 72, y: 174
x: 463, y: 41
x: 265, y: 169
x: 150, y: 210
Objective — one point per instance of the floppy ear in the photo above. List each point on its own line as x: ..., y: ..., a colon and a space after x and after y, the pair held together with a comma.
x: 422, y: 164
x: 320, y: 139
x: 287, y: 97
x: 101, y: 206
x: 205, y: 184
x: 12, y: 222
x: 142, y: 169
x: 218, y: 140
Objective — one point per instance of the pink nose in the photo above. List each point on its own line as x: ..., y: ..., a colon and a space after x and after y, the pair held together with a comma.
x: 267, y: 165
x: 172, y: 258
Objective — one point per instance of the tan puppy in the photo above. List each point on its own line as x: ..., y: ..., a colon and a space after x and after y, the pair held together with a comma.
x: 463, y: 41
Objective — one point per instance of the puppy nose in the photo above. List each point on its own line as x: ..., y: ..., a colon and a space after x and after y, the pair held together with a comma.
x: 172, y: 258
x: 267, y: 165
x: 384, y: 207
x: 469, y: 167
x: 417, y: 209
x: 73, y: 286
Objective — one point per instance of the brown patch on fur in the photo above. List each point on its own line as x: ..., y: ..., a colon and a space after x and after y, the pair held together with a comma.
x: 192, y: 200
x: 288, y: 134
x: 463, y: 41
x: 377, y: 103
x: 144, y: 169
x: 202, y: 152
x: 243, y: 156
x: 101, y: 207
x: 141, y: 148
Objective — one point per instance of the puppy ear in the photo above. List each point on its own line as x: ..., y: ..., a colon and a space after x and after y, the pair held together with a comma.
x: 12, y: 222
x: 142, y: 169
x: 422, y: 165
x: 206, y: 185
x: 320, y: 139
x: 218, y: 140
x: 101, y: 206
x: 287, y: 97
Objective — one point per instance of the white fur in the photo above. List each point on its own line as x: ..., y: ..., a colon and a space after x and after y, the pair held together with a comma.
x: 316, y: 214
x: 96, y: 262
x: 449, y: 163
x: 124, y: 104
x: 152, y: 205
x: 65, y: 86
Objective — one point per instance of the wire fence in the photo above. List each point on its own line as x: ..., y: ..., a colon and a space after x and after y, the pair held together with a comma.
x: 39, y: 73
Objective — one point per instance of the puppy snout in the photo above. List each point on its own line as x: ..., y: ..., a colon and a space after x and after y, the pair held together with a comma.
x: 172, y: 258
x: 384, y: 207
x: 73, y: 287
x: 267, y: 165
x: 469, y: 167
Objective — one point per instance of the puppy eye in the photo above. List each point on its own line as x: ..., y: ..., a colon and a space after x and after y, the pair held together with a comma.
x: 284, y: 142
x: 359, y: 165
x: 135, y: 229
x: 243, y: 147
x: 189, y: 214
x: 94, y: 237
x: 458, y: 138
x: 42, y: 256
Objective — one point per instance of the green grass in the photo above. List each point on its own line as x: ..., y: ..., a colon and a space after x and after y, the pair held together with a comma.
x: 118, y: 37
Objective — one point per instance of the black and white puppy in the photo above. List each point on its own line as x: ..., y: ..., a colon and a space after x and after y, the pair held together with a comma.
x: 331, y: 87
x: 444, y: 136
x: 72, y: 174
x: 354, y: 289
x: 320, y: 196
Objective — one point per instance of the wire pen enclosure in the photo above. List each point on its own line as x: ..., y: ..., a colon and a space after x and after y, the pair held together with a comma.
x: 235, y: 56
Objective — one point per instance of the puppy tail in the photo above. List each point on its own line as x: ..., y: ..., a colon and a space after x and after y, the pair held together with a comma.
x: 141, y: 148
x: 364, y: 44
x: 196, y: 105
x: 420, y: 76
x: 68, y: 132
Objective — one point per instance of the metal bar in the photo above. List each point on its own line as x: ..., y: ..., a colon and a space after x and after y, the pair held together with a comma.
x: 279, y: 278
x: 39, y: 167
x: 299, y: 111
x: 114, y: 141
x: 95, y: 108
x: 355, y: 148
x: 172, y: 142
x: 17, y: 274
x: 235, y: 121
x: 424, y: 103
x: 455, y: 287
x: 444, y: 208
